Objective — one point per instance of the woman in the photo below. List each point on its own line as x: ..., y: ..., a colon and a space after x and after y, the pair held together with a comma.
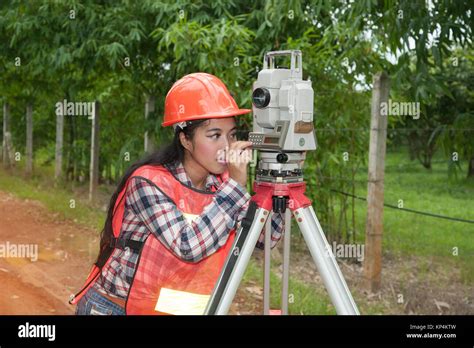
x: 172, y: 220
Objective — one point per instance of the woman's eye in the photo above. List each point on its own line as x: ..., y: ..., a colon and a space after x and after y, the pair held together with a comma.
x: 215, y: 136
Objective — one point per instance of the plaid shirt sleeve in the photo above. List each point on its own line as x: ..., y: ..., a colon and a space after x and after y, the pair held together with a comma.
x: 278, y: 226
x: 189, y: 241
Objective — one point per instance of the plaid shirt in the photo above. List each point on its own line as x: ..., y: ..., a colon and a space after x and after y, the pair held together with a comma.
x: 147, y: 210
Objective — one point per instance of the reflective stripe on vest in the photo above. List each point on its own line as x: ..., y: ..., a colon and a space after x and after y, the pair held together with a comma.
x: 181, y: 302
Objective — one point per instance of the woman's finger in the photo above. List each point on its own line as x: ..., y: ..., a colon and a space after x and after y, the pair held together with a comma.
x: 241, y: 144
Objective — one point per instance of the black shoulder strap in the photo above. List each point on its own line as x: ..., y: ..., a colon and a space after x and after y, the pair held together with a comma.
x: 117, y: 243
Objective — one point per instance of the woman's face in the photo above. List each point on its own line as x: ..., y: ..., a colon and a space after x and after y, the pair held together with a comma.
x: 210, y: 142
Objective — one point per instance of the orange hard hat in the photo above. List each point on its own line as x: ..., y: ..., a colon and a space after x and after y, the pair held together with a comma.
x: 199, y: 96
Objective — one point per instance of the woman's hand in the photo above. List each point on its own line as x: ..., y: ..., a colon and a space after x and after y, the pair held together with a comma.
x: 238, y: 155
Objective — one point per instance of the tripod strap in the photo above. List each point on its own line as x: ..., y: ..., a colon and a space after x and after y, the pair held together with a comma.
x: 247, y: 221
x: 241, y: 237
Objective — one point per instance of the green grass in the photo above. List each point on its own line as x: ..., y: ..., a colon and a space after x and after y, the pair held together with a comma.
x: 429, y: 191
x: 56, y: 199
x: 304, y: 299
x: 406, y: 233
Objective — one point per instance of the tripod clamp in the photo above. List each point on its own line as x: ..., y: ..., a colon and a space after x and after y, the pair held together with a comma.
x: 275, y: 196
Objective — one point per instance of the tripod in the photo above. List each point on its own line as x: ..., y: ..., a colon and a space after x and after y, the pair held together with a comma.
x: 279, y: 186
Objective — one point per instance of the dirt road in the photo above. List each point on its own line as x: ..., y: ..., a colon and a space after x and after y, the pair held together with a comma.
x: 65, y: 252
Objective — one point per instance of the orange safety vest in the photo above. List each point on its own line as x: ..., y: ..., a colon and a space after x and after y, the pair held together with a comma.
x: 164, y: 283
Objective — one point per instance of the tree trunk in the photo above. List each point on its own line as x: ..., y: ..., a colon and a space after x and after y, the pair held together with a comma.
x: 59, y: 144
x: 76, y: 158
x: 149, y: 135
x: 105, y: 174
x: 94, y: 165
x: 412, y: 147
x: 70, y: 151
x: 29, y: 140
x: 110, y: 179
x: 10, y: 152
x: 425, y: 159
x: 6, y: 128
x: 470, y: 169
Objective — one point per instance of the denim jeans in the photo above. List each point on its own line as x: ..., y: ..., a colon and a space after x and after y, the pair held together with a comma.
x: 93, y: 303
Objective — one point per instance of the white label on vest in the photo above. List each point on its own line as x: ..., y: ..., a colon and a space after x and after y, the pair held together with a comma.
x: 190, y: 217
x: 181, y: 302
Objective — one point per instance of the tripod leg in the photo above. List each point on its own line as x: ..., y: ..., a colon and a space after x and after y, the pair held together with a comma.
x: 325, y: 261
x: 237, y: 261
x: 286, y: 262
x: 266, y: 266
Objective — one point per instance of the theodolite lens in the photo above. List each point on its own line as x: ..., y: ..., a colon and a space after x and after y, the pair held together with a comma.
x: 261, y: 97
x: 282, y: 158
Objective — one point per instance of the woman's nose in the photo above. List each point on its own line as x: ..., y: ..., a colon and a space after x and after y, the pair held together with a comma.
x: 227, y: 142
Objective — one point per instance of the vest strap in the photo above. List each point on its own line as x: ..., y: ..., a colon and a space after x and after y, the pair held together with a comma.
x: 120, y: 243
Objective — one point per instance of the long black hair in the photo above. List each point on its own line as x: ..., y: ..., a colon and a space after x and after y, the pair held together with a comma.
x: 168, y: 154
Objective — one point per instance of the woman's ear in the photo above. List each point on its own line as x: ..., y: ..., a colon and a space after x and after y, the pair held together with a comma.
x: 187, y: 144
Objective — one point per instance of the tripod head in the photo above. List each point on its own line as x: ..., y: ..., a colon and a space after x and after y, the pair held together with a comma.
x: 283, y: 130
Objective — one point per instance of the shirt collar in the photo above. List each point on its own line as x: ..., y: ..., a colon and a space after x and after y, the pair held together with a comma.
x: 178, y: 170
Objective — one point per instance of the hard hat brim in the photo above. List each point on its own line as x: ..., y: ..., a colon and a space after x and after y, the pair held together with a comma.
x: 206, y: 116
